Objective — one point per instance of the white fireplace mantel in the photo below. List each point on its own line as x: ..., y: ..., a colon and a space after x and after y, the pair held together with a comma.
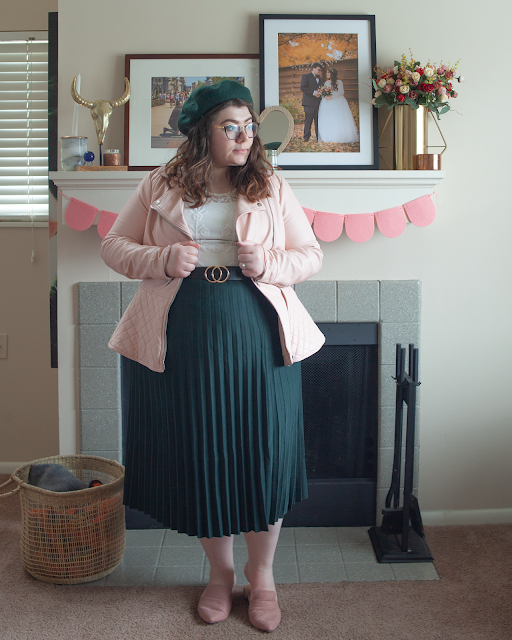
x: 363, y: 191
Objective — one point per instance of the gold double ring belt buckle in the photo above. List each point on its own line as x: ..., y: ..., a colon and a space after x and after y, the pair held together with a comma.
x: 215, y: 274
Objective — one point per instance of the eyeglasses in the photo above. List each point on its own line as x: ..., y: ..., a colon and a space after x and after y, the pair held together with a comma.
x: 233, y: 131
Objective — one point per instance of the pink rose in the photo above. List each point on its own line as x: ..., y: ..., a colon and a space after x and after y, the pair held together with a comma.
x: 448, y: 75
x: 413, y: 95
x: 399, y: 76
x: 387, y: 88
x: 390, y: 71
x: 454, y: 94
x: 412, y: 83
x: 398, y: 83
x: 442, y: 90
x: 437, y: 85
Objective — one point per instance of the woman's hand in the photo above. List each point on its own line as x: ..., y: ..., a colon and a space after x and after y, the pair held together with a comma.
x: 252, y: 256
x: 182, y: 259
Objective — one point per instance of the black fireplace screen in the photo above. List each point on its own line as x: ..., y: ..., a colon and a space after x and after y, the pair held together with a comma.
x: 340, y: 397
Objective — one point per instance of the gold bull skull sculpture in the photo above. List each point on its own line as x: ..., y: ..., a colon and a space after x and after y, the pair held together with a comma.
x: 101, y: 110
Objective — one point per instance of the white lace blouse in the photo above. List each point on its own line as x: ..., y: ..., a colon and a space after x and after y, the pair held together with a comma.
x: 212, y: 226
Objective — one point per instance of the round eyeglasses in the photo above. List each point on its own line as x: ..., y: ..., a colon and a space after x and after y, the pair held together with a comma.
x: 233, y: 131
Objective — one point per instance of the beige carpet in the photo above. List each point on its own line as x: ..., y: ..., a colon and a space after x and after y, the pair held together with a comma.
x: 472, y: 601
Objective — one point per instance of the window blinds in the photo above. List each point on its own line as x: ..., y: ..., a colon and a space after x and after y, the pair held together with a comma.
x: 23, y: 128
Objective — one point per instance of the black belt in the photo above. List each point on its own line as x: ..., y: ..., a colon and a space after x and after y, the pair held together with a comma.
x: 218, y: 274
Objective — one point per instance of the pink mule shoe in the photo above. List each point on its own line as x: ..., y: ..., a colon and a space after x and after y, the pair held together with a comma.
x: 264, y: 612
x: 215, y: 603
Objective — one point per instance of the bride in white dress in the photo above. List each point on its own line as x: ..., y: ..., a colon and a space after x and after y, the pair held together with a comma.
x: 335, y: 120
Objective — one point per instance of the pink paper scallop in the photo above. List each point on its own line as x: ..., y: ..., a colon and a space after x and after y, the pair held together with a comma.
x: 79, y: 215
x: 328, y: 226
x: 421, y: 211
x: 310, y: 214
x: 107, y: 219
x: 391, y: 222
x: 360, y: 226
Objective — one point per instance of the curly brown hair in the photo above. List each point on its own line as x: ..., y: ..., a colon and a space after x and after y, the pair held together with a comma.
x: 190, y: 169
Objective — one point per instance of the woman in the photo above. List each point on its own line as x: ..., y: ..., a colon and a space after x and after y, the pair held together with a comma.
x: 173, y: 120
x: 214, y: 424
x: 335, y: 120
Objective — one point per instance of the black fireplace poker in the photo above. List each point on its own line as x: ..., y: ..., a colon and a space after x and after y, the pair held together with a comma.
x: 401, y: 537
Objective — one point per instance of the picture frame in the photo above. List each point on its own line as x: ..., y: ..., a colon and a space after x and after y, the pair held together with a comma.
x: 344, y: 47
x: 171, y: 77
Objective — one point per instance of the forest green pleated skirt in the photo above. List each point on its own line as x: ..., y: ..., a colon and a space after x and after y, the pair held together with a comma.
x: 214, y: 445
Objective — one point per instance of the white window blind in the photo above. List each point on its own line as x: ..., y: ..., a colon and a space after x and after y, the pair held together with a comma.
x: 23, y: 127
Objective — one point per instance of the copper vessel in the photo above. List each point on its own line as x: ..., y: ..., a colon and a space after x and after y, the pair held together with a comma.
x: 427, y: 161
x: 112, y: 158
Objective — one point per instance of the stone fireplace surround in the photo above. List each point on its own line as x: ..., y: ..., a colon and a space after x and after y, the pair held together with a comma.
x: 394, y: 304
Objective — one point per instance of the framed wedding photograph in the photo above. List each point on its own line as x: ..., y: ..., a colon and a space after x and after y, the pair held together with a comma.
x: 319, y: 68
x: 160, y: 84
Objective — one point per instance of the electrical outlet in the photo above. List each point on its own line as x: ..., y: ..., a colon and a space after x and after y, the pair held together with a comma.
x: 3, y: 345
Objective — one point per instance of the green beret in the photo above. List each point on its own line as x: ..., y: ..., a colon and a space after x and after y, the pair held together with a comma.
x: 206, y: 97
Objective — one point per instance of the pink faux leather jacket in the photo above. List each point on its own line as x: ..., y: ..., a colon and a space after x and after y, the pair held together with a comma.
x: 139, y: 243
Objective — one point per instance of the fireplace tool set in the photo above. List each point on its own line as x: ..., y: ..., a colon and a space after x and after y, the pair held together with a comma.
x: 401, y: 537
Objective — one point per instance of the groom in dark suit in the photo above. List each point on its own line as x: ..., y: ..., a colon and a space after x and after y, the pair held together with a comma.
x: 310, y: 84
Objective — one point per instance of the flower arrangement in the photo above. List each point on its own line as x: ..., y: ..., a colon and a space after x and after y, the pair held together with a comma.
x: 325, y: 92
x: 416, y: 85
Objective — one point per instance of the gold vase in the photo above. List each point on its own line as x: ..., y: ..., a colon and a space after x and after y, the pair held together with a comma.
x: 411, y: 135
x: 410, y: 139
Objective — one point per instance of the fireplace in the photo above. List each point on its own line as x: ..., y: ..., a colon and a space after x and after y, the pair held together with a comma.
x: 388, y: 310
x: 340, y: 399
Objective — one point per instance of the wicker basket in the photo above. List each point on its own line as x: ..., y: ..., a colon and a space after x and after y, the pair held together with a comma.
x: 72, y: 536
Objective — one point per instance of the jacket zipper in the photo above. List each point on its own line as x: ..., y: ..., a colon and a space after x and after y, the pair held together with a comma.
x: 166, y: 314
x: 271, y: 216
x: 169, y: 222
x: 181, y: 279
x: 177, y: 229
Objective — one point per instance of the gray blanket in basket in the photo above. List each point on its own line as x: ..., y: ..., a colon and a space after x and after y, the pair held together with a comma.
x: 54, y: 477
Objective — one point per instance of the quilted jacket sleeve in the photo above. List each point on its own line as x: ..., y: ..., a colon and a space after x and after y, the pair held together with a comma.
x: 302, y: 257
x: 123, y: 249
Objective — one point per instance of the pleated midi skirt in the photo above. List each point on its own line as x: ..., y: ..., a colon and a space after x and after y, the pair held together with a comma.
x: 214, y: 445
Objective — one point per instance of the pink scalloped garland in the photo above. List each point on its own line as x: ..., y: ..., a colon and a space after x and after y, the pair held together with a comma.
x: 107, y: 219
x: 391, y: 222
x: 360, y: 227
x: 79, y: 215
x: 328, y: 227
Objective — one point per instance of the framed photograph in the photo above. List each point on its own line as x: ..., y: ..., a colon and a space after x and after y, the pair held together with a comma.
x: 159, y: 86
x: 319, y: 67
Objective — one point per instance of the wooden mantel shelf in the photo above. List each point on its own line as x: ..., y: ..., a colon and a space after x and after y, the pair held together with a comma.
x: 297, y: 179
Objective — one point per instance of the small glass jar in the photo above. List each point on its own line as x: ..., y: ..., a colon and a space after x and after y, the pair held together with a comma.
x: 72, y: 149
x: 272, y: 158
x: 111, y: 158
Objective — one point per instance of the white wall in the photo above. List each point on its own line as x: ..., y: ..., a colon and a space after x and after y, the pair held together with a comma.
x: 29, y: 426
x: 463, y: 259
